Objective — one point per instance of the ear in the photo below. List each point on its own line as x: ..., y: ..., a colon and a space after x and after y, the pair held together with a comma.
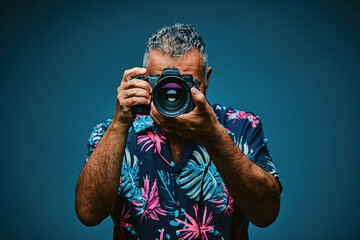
x: 208, y: 73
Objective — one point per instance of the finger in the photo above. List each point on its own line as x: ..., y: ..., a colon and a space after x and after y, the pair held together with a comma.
x: 199, y: 99
x: 159, y: 121
x: 163, y: 121
x: 130, y: 102
x: 136, y: 92
x: 157, y: 116
x: 153, y: 116
x: 137, y: 83
x: 154, y: 113
x: 133, y: 72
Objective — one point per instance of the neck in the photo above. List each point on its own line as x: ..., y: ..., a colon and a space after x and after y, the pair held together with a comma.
x: 174, y: 139
x: 176, y: 144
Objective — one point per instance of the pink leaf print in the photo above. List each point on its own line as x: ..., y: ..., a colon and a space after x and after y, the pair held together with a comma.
x: 240, y: 231
x: 229, y: 208
x: 236, y: 115
x: 162, y: 234
x: 253, y: 119
x: 123, y: 221
x: 149, y: 201
x: 195, y: 228
x: 153, y: 140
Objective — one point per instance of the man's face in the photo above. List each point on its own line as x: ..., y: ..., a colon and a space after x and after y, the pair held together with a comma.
x: 190, y: 63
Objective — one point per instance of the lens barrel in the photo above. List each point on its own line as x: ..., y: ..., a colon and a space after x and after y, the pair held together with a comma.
x: 171, y: 93
x: 171, y: 96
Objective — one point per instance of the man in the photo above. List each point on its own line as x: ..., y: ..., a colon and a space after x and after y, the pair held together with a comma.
x: 200, y: 175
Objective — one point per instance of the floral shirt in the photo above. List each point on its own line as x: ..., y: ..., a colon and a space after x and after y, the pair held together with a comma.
x: 159, y: 200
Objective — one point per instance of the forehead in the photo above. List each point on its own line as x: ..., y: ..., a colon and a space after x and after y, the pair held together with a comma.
x: 189, y: 63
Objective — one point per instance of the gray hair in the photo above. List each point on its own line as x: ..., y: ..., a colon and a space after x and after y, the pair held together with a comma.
x: 175, y: 41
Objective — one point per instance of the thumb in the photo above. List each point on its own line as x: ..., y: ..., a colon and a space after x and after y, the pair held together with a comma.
x: 199, y: 99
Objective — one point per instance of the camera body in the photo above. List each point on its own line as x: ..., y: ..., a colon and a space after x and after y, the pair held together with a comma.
x: 171, y: 93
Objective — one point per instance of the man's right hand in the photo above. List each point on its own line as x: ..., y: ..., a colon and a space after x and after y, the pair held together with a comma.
x: 131, y: 92
x: 98, y: 183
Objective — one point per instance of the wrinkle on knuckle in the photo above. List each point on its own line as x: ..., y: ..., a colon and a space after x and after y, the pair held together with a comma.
x: 119, y: 97
x: 129, y: 84
x: 131, y: 92
x: 124, y: 85
x: 121, y: 103
x: 133, y: 101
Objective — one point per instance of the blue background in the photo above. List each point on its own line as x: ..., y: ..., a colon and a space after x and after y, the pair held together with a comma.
x: 294, y: 63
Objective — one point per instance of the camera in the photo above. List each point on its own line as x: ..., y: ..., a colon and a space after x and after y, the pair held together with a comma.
x: 170, y: 93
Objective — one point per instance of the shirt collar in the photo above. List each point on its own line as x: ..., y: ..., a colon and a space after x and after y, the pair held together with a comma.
x: 143, y: 122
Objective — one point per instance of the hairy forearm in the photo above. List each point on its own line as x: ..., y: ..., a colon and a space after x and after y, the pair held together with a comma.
x: 99, y: 179
x: 255, y: 191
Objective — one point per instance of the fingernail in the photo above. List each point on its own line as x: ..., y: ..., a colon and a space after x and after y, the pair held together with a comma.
x: 143, y: 69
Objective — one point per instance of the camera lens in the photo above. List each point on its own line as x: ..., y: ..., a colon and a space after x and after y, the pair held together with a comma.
x: 171, y: 92
x: 171, y: 96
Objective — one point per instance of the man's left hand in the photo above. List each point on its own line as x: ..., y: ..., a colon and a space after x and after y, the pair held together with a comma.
x: 199, y: 125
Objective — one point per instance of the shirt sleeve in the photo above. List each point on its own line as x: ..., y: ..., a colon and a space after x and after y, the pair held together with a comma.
x: 95, y: 136
x: 254, y: 145
x: 246, y: 130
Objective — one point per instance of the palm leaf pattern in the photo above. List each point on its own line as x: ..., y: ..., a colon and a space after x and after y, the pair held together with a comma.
x: 153, y: 140
x: 125, y: 225
x: 148, y: 204
x: 129, y: 187
x: 191, y: 177
x: 224, y: 203
x: 191, y: 230
x: 97, y: 133
x: 237, y: 115
x: 162, y: 235
x: 273, y: 170
x: 142, y: 122
x: 198, y: 227
x: 244, y: 146
x: 166, y: 192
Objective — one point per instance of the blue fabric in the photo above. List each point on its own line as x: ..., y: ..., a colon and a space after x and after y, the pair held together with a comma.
x: 160, y: 200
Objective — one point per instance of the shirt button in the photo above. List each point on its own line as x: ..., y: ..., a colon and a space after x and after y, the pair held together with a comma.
x: 177, y: 204
x: 176, y: 175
